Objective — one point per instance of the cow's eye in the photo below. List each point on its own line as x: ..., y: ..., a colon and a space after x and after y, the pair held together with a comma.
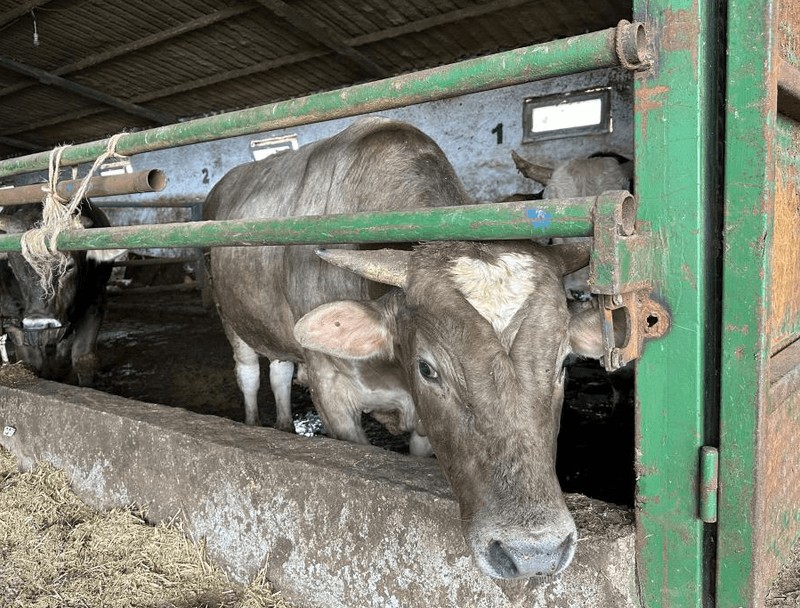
x: 426, y: 371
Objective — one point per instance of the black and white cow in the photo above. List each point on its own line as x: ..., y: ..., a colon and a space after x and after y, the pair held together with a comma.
x: 55, y: 333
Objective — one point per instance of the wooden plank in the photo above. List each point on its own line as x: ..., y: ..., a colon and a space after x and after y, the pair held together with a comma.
x: 22, y: 9
x: 779, y: 503
x: 84, y: 91
x: 784, y: 319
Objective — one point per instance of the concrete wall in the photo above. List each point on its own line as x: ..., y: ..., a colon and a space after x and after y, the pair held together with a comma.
x: 336, y: 525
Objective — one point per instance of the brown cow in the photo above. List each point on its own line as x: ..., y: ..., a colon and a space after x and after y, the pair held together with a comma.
x: 475, y: 336
x: 482, y: 331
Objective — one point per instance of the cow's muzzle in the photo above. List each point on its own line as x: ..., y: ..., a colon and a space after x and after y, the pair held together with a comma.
x: 519, y: 553
x: 38, y: 337
x: 29, y: 323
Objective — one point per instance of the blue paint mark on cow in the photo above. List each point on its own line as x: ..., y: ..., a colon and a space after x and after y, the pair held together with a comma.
x: 540, y: 218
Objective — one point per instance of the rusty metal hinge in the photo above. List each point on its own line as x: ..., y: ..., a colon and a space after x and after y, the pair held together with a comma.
x: 709, y: 484
x: 620, y: 272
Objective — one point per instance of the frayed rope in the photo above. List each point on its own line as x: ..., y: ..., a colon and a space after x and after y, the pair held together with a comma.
x: 58, y: 214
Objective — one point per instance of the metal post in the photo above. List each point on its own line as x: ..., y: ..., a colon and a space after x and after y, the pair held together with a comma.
x: 200, y: 263
x: 625, y: 45
x: 675, y: 158
x: 758, y: 442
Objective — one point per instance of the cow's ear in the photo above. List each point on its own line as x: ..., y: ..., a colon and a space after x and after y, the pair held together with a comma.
x: 586, y: 333
x: 586, y: 329
x: 571, y: 256
x: 347, y: 329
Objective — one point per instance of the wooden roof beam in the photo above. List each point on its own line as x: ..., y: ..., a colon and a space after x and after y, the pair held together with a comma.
x: 88, y: 92
x: 22, y: 9
x: 20, y: 144
x: 321, y: 33
x: 421, y: 25
x: 264, y: 66
x: 141, y: 43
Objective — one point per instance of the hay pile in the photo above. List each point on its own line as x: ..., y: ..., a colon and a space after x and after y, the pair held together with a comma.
x: 55, y: 552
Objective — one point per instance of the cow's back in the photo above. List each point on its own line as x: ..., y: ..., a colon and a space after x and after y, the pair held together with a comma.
x: 374, y: 165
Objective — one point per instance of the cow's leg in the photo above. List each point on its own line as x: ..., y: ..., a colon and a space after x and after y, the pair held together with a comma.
x: 280, y: 379
x: 419, y: 445
x: 248, y: 375
x: 84, y: 348
x: 333, y: 398
x: 341, y: 422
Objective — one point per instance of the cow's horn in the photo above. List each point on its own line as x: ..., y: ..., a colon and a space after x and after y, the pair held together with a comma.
x: 388, y: 266
x: 539, y: 173
x: 10, y: 224
x: 572, y: 256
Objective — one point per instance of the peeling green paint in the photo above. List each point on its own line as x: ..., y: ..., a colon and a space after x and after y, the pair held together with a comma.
x: 675, y: 134
x: 748, y: 195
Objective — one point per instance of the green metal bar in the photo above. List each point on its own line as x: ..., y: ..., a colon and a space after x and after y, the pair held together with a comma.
x: 746, y: 254
x: 557, y: 58
x: 518, y: 220
x: 674, y: 134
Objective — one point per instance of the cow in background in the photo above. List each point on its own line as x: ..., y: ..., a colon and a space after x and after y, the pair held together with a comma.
x: 575, y: 178
x: 55, y: 334
x: 585, y: 177
x: 578, y: 176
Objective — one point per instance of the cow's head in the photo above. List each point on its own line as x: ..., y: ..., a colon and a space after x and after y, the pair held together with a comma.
x: 578, y: 177
x: 482, y: 331
x: 46, y: 312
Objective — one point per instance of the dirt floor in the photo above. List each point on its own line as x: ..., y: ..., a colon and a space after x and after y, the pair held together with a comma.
x: 165, y: 347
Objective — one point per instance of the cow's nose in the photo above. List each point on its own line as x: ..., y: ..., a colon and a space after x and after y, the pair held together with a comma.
x: 40, y: 323
x: 529, y: 557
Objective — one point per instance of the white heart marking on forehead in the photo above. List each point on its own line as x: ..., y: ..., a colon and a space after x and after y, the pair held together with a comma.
x: 496, y: 290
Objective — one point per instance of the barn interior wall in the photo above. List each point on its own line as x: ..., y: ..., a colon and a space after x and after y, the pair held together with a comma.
x: 465, y: 127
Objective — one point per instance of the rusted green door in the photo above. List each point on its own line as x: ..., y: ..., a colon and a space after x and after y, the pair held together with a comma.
x: 718, y: 178
x: 759, y: 512
x: 677, y: 181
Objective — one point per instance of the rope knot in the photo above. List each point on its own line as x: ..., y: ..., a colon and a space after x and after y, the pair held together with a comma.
x: 58, y: 214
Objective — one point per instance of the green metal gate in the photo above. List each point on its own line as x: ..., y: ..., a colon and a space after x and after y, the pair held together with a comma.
x: 710, y: 147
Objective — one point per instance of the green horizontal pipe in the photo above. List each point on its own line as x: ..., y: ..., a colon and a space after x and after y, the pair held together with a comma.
x: 488, y: 221
x: 557, y: 58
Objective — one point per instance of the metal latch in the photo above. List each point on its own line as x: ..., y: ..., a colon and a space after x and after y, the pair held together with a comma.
x: 620, y: 271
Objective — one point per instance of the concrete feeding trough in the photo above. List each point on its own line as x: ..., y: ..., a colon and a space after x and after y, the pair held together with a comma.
x: 333, y: 524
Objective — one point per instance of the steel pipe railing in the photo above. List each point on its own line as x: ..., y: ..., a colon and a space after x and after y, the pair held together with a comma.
x: 488, y: 221
x: 160, y: 203
x: 624, y: 45
x: 153, y: 180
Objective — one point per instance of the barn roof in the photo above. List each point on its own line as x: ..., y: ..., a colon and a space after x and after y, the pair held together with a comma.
x: 80, y: 70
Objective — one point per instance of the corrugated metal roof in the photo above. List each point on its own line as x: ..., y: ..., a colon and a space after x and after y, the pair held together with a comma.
x: 181, y: 59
